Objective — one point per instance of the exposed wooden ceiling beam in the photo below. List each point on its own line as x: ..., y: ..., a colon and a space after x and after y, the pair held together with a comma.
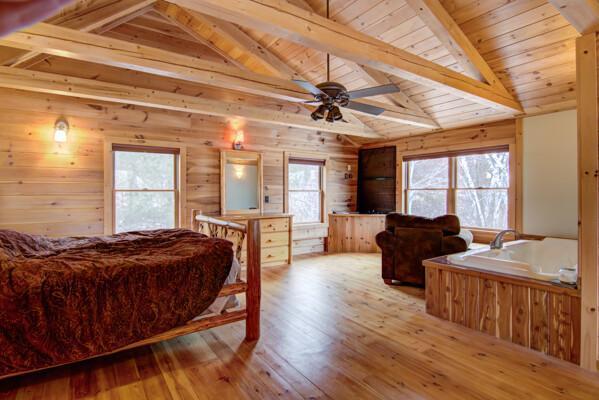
x: 438, y: 20
x: 226, y: 39
x: 583, y: 15
x: 90, y: 47
x: 231, y: 39
x: 376, y: 77
x: 41, y: 82
x: 98, y: 20
x: 298, y: 25
x: 235, y: 45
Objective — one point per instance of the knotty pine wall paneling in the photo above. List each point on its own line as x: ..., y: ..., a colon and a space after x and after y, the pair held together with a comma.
x: 57, y: 189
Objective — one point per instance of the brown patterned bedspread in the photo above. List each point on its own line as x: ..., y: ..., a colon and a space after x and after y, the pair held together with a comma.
x: 67, y: 299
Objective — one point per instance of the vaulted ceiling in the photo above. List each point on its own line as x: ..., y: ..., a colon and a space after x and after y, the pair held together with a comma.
x: 477, y: 61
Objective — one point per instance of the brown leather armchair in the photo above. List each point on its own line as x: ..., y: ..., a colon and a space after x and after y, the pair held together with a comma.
x: 408, y: 240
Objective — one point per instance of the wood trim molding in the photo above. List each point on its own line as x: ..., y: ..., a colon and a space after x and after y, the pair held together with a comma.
x: 182, y: 219
x: 224, y: 155
x: 588, y: 186
x: 324, y: 218
x: 519, y: 176
x: 459, y: 147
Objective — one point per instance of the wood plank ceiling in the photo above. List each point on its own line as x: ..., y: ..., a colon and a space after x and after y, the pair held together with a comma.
x: 527, y: 44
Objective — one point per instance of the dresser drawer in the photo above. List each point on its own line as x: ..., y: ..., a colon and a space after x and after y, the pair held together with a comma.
x: 274, y: 239
x: 270, y: 254
x: 274, y: 225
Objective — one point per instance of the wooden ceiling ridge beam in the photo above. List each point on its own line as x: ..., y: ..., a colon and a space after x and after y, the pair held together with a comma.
x: 443, y: 26
x: 42, y: 82
x: 98, y: 20
x: 231, y: 35
x: 583, y: 15
x: 287, y: 21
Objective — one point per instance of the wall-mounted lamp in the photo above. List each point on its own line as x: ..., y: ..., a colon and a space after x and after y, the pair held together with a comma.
x: 239, y: 138
x: 61, y: 131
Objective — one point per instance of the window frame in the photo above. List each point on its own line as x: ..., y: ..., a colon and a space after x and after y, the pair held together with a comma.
x: 452, y: 155
x: 111, y: 145
x: 307, y: 158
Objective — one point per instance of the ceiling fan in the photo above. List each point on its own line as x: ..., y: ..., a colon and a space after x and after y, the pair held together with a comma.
x: 333, y: 95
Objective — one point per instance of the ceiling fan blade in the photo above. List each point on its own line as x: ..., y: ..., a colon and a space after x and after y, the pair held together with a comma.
x: 373, y: 91
x: 365, y: 108
x: 313, y: 102
x: 309, y: 87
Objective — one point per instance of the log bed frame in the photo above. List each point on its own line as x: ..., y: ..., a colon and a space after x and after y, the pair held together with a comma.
x: 251, y: 287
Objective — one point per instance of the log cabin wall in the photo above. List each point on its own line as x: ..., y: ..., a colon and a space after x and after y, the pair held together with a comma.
x: 57, y: 189
x: 446, y: 140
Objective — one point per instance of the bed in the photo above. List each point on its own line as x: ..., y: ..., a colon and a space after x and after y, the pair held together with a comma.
x: 70, y: 299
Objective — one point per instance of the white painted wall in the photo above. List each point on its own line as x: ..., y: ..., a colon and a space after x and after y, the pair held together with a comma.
x: 550, y: 188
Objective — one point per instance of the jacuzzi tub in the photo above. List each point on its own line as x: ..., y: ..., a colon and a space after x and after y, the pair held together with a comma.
x: 538, y: 259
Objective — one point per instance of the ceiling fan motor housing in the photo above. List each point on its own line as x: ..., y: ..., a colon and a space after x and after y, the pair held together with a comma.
x: 336, y: 93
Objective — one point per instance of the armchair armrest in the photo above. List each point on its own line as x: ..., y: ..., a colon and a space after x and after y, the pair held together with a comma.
x: 453, y: 244
x: 386, y: 241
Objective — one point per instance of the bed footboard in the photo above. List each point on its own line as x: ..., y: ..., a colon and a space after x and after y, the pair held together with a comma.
x: 252, y: 287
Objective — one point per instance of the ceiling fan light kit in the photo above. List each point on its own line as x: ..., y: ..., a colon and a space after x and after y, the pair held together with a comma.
x: 333, y: 95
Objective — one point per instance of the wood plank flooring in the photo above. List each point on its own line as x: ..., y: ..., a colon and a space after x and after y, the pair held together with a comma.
x: 331, y: 330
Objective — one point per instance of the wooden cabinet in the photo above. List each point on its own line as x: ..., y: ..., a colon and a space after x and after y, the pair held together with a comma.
x: 275, y: 237
x: 354, y: 233
x: 377, y: 172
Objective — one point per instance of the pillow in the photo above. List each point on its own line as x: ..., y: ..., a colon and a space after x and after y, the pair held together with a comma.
x: 467, y: 236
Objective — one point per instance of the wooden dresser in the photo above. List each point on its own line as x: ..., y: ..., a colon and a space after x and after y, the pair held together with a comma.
x: 275, y: 235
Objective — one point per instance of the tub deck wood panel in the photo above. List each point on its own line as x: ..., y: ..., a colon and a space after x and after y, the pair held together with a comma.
x: 535, y: 314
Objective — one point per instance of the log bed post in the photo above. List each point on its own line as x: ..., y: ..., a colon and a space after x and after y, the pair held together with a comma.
x: 252, y: 295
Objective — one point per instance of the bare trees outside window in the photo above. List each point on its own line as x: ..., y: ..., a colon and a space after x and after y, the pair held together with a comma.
x: 145, y: 190
x: 305, y: 191
x: 473, y: 186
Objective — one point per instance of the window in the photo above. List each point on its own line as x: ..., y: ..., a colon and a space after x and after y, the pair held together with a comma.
x: 428, y: 183
x: 305, y: 194
x: 145, y: 191
x: 481, y: 195
x: 473, y: 185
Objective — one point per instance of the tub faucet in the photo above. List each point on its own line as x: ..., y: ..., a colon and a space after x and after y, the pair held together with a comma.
x: 497, y: 243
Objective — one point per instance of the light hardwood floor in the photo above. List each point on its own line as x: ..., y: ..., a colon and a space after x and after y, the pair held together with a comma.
x: 331, y: 329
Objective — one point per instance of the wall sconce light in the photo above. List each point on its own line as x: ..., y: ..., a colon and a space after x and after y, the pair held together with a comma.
x: 61, y: 131
x: 239, y: 138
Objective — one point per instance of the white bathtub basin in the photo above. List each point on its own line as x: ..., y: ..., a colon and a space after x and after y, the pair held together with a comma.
x: 538, y: 259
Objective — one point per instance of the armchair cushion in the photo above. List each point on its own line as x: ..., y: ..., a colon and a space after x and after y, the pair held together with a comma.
x: 449, y: 224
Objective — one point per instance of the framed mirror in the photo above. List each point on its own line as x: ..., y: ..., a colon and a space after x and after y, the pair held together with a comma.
x: 240, y: 182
